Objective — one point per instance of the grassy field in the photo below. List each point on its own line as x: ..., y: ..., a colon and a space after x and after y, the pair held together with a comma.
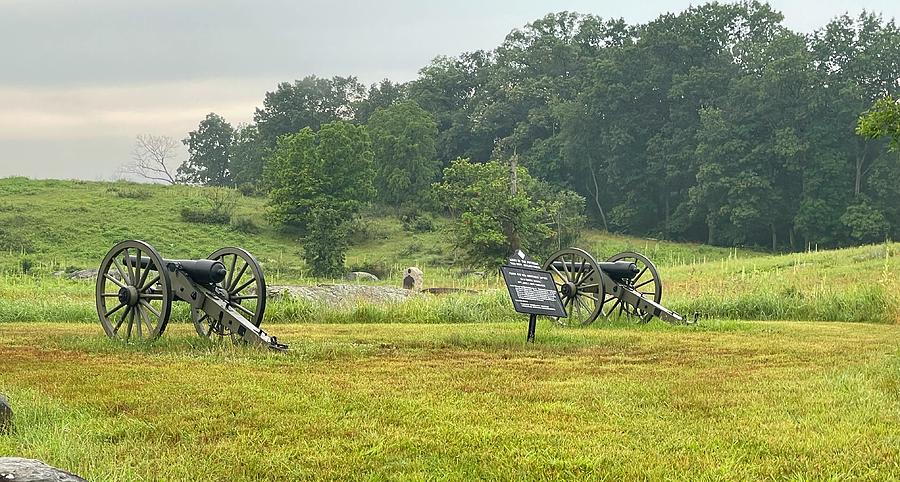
x: 444, y: 387
x: 723, y: 400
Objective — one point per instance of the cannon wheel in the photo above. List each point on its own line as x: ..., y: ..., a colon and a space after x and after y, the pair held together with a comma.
x: 133, y: 301
x: 581, y: 290
x: 647, y: 283
x: 244, y: 272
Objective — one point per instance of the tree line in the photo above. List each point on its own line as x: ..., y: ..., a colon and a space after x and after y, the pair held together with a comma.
x: 717, y: 124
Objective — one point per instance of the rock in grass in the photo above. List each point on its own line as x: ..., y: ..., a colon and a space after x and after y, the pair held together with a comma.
x: 84, y: 274
x: 361, y: 276
x: 29, y: 470
x: 6, y: 415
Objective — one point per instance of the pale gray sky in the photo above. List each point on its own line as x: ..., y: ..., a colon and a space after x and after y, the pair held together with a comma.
x: 80, y: 79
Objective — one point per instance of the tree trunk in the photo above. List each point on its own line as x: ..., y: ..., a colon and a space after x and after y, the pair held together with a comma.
x: 774, y: 237
x: 860, y: 163
x: 512, y: 234
x: 597, y: 198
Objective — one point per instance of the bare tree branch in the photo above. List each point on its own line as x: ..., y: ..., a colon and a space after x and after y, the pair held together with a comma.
x: 151, y: 158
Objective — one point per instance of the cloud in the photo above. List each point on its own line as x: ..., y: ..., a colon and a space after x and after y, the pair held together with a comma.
x: 83, y: 112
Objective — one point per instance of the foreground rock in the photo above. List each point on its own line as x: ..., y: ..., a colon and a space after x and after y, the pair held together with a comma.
x: 29, y: 470
x: 6, y: 415
x: 341, y: 294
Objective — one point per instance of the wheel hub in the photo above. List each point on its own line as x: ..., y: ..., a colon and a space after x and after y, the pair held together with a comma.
x: 129, y: 295
x: 569, y: 289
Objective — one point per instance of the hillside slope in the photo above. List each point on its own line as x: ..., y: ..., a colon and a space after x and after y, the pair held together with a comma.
x: 62, y: 224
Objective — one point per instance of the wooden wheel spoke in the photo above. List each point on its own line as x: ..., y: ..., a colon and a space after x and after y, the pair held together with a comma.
x: 151, y: 308
x: 565, y: 265
x: 143, y: 280
x: 238, y: 290
x: 579, y: 275
x: 237, y: 279
x: 125, y: 277
x: 245, y: 297
x: 122, y: 318
x: 613, y: 308
x: 230, y: 272
x: 137, y: 270
x: 117, y: 308
x: 644, y: 283
x: 146, y: 319
x: 149, y: 284
x: 636, y: 278
x: 128, y: 264
x: 152, y: 296
x: 561, y: 277
x: 241, y: 308
x: 117, y: 282
x: 137, y: 308
x: 586, y: 276
x: 588, y: 295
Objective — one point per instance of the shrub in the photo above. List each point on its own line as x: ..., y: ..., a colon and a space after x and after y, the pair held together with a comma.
x: 202, y: 215
x: 378, y: 267
x: 417, y: 223
x: 245, y: 224
x: 131, y: 192
x: 214, y: 206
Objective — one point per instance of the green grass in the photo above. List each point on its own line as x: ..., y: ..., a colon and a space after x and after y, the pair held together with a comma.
x: 857, y: 284
x: 444, y: 387
x: 724, y: 400
x: 62, y: 224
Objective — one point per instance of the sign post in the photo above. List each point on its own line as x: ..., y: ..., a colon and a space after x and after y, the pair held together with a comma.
x: 531, y: 290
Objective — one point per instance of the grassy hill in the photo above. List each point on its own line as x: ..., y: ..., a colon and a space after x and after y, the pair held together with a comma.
x: 71, y: 224
x: 60, y: 224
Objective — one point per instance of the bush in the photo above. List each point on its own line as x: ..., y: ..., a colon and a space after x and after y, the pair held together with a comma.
x: 325, y: 243
x: 26, y: 264
x: 417, y: 223
x: 203, y: 215
x: 378, y: 267
x: 214, y: 206
x: 361, y: 229
x: 131, y: 192
x: 245, y: 224
x: 250, y: 189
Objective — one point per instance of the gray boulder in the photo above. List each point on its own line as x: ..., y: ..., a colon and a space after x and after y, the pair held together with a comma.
x: 84, y: 274
x: 29, y: 470
x: 6, y: 415
x: 361, y: 276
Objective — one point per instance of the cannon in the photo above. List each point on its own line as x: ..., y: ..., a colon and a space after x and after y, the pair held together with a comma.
x: 625, y: 285
x: 226, y: 292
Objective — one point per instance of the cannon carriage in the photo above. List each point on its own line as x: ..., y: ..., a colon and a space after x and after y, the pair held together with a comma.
x: 627, y: 285
x: 136, y: 288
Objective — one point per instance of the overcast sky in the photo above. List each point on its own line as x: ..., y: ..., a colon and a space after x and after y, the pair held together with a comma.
x: 80, y: 79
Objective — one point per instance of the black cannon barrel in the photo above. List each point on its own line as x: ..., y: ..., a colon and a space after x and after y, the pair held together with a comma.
x: 203, y: 271
x: 615, y: 269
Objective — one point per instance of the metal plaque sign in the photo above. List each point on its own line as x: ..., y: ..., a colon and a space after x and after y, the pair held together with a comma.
x: 533, y: 291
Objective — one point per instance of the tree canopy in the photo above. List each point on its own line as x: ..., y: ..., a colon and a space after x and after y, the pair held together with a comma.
x: 716, y: 124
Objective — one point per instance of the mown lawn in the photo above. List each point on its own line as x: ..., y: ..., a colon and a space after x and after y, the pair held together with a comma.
x: 723, y: 400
